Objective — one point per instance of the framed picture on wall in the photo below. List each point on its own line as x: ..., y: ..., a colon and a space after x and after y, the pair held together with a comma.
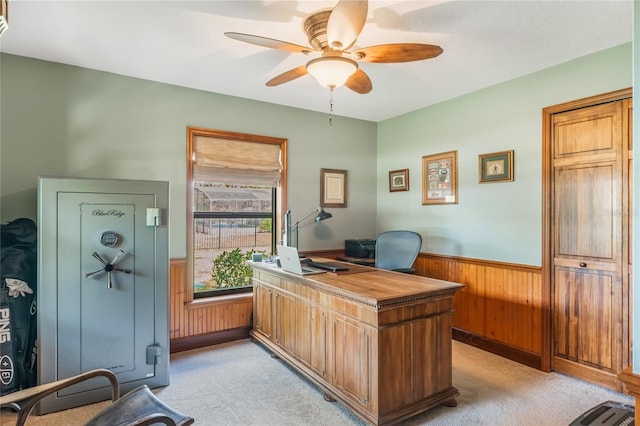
x: 333, y: 188
x: 495, y: 167
x: 399, y: 180
x: 440, y: 178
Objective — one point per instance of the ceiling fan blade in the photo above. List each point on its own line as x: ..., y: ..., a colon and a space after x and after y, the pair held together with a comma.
x: 346, y: 22
x: 398, y: 52
x: 359, y: 82
x: 287, y: 76
x: 269, y: 42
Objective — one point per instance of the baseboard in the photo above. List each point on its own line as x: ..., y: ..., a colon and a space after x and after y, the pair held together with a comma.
x: 518, y: 355
x: 201, y: 340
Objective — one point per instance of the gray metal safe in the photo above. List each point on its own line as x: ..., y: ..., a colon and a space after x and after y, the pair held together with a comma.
x: 103, y: 285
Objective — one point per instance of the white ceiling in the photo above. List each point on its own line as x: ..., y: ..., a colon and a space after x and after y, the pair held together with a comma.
x: 182, y: 43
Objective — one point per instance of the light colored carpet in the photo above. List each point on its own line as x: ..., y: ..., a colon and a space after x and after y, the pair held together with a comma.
x: 239, y: 383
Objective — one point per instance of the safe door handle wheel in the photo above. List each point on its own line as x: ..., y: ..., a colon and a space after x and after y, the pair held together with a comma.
x: 108, y: 267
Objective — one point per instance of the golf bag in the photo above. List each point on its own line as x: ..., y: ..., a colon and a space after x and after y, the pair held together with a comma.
x: 18, y: 322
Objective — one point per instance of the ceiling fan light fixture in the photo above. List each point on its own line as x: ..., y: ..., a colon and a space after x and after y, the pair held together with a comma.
x: 332, y: 71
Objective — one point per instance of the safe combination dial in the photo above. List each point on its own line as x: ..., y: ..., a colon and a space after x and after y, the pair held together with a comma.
x: 109, y: 238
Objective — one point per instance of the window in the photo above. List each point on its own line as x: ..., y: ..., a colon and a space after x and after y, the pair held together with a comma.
x: 236, y: 187
x: 229, y: 221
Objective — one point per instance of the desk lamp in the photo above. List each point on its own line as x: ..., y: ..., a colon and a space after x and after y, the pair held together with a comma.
x: 320, y: 213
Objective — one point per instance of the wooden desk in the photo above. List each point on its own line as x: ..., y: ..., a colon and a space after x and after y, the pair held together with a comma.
x: 378, y: 341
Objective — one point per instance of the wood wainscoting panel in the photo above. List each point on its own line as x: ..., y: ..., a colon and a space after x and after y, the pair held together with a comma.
x: 202, y: 317
x: 177, y: 297
x: 501, y: 307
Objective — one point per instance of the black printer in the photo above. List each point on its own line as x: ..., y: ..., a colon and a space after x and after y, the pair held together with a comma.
x: 360, y: 248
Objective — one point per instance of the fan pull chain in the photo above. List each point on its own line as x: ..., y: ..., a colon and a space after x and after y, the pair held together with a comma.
x: 330, y: 106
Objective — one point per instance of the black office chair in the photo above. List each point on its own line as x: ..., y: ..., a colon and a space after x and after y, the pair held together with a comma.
x: 139, y: 407
x: 397, y: 250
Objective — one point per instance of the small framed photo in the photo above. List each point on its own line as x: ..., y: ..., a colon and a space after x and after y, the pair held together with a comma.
x: 440, y: 178
x: 399, y: 180
x: 333, y: 188
x: 495, y: 167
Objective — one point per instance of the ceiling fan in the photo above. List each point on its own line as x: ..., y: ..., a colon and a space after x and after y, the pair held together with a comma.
x: 333, y: 34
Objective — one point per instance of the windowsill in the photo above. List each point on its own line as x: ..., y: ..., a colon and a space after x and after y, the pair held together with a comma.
x: 221, y: 300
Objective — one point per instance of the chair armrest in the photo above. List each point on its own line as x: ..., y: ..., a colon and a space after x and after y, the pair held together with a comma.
x: 26, y: 399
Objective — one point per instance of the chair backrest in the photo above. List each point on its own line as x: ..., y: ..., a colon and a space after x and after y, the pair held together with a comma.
x: 397, y: 249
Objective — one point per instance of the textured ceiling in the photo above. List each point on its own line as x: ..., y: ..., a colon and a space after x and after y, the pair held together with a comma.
x: 182, y: 43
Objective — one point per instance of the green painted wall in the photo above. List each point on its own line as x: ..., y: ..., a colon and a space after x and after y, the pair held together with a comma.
x: 497, y: 221
x: 60, y: 120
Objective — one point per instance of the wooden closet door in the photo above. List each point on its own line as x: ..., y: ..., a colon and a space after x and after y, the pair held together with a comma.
x: 589, y: 286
